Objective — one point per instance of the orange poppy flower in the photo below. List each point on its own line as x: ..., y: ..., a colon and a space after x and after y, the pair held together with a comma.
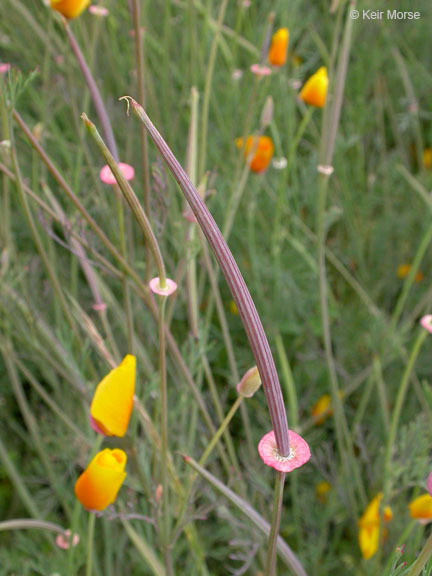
x: 70, y: 8
x: 98, y: 485
x: 278, y: 48
x: 261, y: 148
x: 112, y: 402
x: 314, y: 92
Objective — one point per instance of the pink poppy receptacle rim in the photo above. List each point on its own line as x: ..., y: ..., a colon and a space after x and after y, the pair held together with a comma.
x: 169, y: 289
x: 269, y: 453
x: 426, y: 322
x: 65, y: 540
x: 260, y: 70
x: 107, y: 176
x: 95, y: 426
x: 98, y: 10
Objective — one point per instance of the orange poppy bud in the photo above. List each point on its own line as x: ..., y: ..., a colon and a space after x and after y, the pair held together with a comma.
x: 421, y: 508
x: 322, y: 409
x: 70, y: 8
x: 278, y: 48
x: 314, y: 92
x: 98, y: 485
x: 112, y: 402
x: 261, y: 148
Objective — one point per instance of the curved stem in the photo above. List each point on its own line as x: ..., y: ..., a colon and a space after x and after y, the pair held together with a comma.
x: 248, y: 313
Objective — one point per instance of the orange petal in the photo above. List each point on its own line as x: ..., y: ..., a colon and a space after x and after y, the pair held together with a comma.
x: 98, y: 485
x: 314, y: 92
x: 70, y: 8
x: 421, y: 507
x: 112, y: 402
x: 261, y: 148
x: 278, y: 49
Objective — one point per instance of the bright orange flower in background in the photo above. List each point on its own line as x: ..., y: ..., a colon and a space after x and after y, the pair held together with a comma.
x: 421, y: 508
x: 70, y: 8
x: 314, y: 92
x: 369, y: 526
x: 262, y: 149
x: 98, y: 485
x: 278, y: 48
x: 112, y: 402
x: 322, y: 409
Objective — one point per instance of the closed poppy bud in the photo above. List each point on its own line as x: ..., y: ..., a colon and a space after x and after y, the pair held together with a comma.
x: 98, y: 485
x: 112, y: 402
x: 421, y: 508
x: 262, y: 149
x: 314, y: 92
x: 278, y: 48
x: 70, y: 8
x: 250, y: 383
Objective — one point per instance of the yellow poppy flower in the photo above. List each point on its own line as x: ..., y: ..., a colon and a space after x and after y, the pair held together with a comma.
x: 262, y: 147
x: 421, y: 508
x: 314, y: 92
x: 369, y: 526
x: 98, y: 485
x: 112, y: 402
x: 278, y: 48
x: 321, y: 490
x: 70, y: 8
x: 322, y: 409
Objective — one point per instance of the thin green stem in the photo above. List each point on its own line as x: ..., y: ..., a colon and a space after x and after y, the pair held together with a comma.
x: 423, y: 557
x: 220, y: 431
x: 131, y: 199
x: 208, y: 87
x: 275, y: 524
x: 403, y: 388
x: 90, y: 543
x: 166, y: 520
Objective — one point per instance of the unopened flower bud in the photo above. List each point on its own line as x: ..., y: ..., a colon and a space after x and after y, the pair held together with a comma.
x: 250, y: 383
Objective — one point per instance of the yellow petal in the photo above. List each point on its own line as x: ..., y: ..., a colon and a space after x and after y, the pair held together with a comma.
x: 368, y: 541
x: 421, y: 507
x: 112, y: 402
x: 403, y: 270
x: 314, y: 92
x: 322, y: 409
x: 70, y: 8
x: 98, y: 485
x: 278, y: 48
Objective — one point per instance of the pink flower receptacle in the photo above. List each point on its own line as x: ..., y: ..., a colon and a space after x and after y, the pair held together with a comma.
x: 107, y: 176
x: 299, y: 452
